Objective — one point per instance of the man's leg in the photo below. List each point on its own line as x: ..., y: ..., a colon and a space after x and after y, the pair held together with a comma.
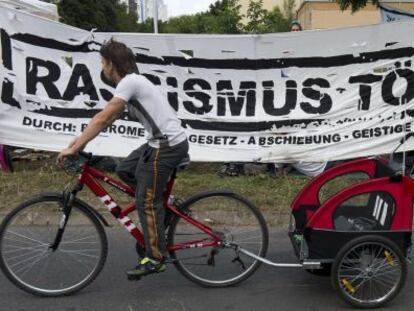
x: 127, y: 168
x: 153, y: 173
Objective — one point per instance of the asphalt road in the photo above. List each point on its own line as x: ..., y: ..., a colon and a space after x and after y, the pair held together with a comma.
x: 268, y: 289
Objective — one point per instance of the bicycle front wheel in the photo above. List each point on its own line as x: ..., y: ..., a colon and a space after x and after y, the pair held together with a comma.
x: 27, y: 260
x: 237, y: 221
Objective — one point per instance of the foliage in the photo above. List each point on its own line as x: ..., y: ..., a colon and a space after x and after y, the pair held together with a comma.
x: 126, y: 22
x: 226, y: 15
x: 354, y: 5
x: 104, y: 15
x: 289, y: 10
x: 256, y: 15
x: 261, y: 20
x: 222, y: 17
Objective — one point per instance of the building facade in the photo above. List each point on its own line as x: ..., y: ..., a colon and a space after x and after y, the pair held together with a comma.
x: 132, y: 7
x: 146, y: 9
x: 325, y: 14
x: 143, y: 9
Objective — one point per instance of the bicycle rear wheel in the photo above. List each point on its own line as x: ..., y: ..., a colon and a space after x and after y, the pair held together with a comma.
x: 235, y: 220
x: 369, y: 271
x: 27, y: 260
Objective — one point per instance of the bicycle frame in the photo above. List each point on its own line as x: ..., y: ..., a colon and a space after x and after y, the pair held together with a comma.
x: 90, y: 177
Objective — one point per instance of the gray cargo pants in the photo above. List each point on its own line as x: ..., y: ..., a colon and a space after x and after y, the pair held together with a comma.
x: 148, y: 170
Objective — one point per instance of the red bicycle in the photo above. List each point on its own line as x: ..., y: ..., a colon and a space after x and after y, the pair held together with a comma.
x: 55, y: 244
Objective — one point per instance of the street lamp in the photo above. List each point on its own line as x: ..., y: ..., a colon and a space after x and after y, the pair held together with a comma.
x: 155, y: 11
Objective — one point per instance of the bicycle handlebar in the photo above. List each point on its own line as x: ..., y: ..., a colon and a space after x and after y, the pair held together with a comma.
x: 86, y: 155
x: 74, y: 164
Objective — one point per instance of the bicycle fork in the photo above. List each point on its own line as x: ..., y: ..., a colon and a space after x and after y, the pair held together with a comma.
x: 69, y: 196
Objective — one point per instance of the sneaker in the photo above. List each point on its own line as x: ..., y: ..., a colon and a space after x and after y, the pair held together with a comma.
x: 146, y: 266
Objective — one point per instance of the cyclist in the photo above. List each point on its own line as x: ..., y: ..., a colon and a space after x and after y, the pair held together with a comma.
x: 148, y: 168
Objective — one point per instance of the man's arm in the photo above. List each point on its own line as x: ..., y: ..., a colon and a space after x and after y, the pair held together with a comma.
x: 99, y: 122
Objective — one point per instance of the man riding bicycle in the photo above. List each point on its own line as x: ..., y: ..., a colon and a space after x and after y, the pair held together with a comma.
x: 148, y: 168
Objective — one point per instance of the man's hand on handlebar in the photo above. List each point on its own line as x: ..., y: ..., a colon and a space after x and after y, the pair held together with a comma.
x: 67, y: 152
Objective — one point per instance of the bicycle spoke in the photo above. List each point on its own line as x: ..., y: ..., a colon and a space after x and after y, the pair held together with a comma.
x: 28, y: 259
x: 25, y: 237
x: 231, y: 218
x: 71, y: 270
x: 78, y: 240
x: 18, y: 249
x: 235, y: 232
x: 385, y: 266
x: 76, y: 236
x: 79, y: 252
x: 40, y: 273
x: 369, y: 273
x: 34, y: 266
x: 25, y: 254
x: 82, y: 262
x: 383, y: 282
x: 32, y: 263
x: 351, y: 276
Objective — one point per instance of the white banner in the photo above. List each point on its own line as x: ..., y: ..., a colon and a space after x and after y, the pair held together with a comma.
x: 391, y: 14
x: 35, y: 7
x: 303, y: 96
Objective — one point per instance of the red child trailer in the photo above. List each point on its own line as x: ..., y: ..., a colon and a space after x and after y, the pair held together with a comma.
x: 361, y: 236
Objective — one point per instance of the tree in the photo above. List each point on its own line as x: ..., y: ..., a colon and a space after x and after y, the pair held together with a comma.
x: 184, y: 24
x: 126, y: 22
x: 256, y: 15
x: 105, y: 15
x: 289, y: 10
x: 355, y: 5
x: 222, y: 17
x: 276, y: 21
x: 264, y: 21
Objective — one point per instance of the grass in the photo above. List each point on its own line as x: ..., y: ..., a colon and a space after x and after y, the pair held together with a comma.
x: 272, y: 195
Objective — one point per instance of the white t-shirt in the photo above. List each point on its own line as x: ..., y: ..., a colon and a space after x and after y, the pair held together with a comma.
x: 310, y: 168
x: 147, y: 105
x: 307, y: 168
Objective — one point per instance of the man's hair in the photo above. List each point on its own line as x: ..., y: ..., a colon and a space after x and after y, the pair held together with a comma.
x: 295, y: 22
x: 121, y: 57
